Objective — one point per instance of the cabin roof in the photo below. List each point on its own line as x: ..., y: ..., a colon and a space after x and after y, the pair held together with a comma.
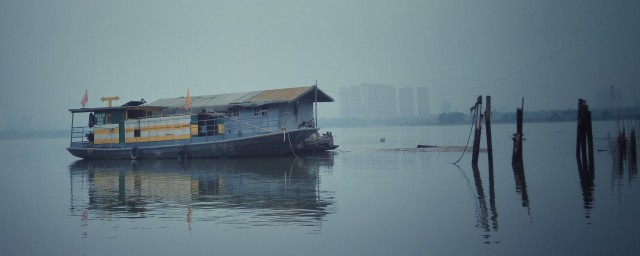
x: 222, y: 102
x: 103, y: 109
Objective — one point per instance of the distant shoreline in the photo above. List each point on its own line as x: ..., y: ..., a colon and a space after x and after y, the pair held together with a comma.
x: 459, y: 118
x: 35, y: 134
x: 443, y: 119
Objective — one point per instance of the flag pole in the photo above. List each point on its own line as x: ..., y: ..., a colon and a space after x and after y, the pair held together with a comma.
x: 316, y: 105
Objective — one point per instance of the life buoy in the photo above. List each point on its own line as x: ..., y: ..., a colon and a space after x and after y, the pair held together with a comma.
x: 135, y: 152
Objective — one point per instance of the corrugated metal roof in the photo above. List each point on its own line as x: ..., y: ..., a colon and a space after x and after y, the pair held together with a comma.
x: 286, y: 95
x: 245, y: 98
x: 222, y: 102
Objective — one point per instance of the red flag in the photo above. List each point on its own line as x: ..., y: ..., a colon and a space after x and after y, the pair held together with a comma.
x: 188, y: 105
x: 85, y: 98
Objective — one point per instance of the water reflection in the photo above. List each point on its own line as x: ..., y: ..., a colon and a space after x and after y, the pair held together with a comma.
x: 587, y: 178
x: 622, y: 158
x: 483, y: 214
x: 521, y: 183
x: 486, y: 217
x: 487, y: 214
x: 239, y: 192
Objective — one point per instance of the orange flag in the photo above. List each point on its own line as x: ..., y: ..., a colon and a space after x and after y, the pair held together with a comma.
x: 188, y: 105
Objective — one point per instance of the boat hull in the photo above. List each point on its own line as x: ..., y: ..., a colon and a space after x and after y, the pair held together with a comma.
x: 279, y: 143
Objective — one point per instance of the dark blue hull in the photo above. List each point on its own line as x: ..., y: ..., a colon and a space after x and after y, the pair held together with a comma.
x: 279, y: 143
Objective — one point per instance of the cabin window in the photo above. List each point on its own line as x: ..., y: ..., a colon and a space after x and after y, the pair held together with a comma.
x: 99, y: 119
x: 136, y: 133
x: 209, y: 125
x: 260, y: 111
x: 107, y: 119
x: 134, y: 114
x: 234, y: 112
x: 151, y: 113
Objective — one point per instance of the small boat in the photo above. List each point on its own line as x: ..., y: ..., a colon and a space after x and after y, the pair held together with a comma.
x: 258, y: 123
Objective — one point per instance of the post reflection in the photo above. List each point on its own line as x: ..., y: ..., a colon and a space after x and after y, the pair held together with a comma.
x: 483, y: 213
x: 623, y: 164
x: 521, y: 183
x: 261, y: 191
x: 587, y: 178
x: 487, y: 216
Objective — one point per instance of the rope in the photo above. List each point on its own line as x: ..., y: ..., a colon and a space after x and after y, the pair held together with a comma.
x: 475, y: 111
x: 290, y: 145
x: 294, y: 153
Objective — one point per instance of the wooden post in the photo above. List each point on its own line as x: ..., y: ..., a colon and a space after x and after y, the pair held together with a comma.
x: 516, y: 158
x: 517, y: 139
x: 583, y: 133
x: 589, y: 137
x: 487, y: 119
x: 492, y: 192
x: 581, y: 139
x: 584, y: 138
x: 478, y: 132
x: 579, y: 133
x: 632, y: 148
x: 623, y: 143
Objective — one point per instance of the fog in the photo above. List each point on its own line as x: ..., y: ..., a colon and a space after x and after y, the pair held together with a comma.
x: 550, y: 52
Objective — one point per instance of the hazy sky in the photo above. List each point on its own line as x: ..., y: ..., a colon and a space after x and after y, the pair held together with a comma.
x: 551, y: 52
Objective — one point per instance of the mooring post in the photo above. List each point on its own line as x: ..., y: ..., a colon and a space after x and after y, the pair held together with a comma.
x: 492, y: 191
x: 487, y: 120
x: 516, y: 159
x: 632, y: 147
x: 583, y: 137
x: 580, y: 133
x: 623, y: 144
x: 478, y: 132
x: 589, y: 136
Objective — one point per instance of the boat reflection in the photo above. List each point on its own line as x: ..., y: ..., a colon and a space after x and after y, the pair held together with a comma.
x: 241, y: 192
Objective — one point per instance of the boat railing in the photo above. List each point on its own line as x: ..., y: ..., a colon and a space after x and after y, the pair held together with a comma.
x: 79, y: 133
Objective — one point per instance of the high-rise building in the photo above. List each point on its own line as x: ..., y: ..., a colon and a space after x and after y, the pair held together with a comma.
x: 346, y: 103
x: 445, y: 106
x: 368, y: 101
x: 422, y: 102
x: 406, y: 102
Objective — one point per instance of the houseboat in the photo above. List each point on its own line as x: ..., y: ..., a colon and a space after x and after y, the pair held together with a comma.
x: 258, y: 123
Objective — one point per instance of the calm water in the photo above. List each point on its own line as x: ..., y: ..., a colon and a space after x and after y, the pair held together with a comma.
x: 357, y: 201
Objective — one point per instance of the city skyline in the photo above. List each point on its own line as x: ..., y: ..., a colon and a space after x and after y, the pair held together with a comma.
x: 371, y: 101
x: 414, y: 102
x: 549, y: 52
